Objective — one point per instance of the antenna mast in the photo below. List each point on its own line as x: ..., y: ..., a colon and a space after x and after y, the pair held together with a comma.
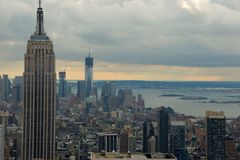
x: 40, y: 2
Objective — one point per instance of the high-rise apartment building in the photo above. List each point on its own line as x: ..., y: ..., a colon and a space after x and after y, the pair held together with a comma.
x: 62, y: 86
x: 215, y: 131
x: 38, y: 138
x: 89, y: 75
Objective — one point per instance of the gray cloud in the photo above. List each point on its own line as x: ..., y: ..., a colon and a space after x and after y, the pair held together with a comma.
x: 232, y: 4
x: 180, y: 32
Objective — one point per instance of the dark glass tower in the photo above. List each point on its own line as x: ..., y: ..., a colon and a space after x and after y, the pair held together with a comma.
x: 216, y: 132
x: 177, y: 139
x: 5, y: 88
x: 38, y: 138
x: 81, y: 89
x: 62, y: 88
x: 148, y: 131
x: 163, y: 129
x: 89, y: 75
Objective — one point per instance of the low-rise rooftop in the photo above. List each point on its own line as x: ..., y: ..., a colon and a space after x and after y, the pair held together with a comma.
x: 116, y: 156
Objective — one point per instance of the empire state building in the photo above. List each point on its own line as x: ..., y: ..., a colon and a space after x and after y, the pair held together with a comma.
x: 38, y: 138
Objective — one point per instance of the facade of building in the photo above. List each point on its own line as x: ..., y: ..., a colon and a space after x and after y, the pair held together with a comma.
x: 148, y: 132
x: 3, y: 115
x: 107, y: 142
x: 216, y: 132
x: 62, y: 87
x: 124, y: 143
x: 231, y: 149
x: 121, y: 97
x: 108, y: 96
x: 18, y: 82
x: 128, y: 97
x: 5, y: 88
x: 16, y: 94
x: 81, y: 89
x: 2, y: 141
x: 177, y: 139
x: 163, y: 130
x: 89, y: 75
x: 38, y: 138
x: 116, y: 156
x: 132, y: 143
x: 152, y: 145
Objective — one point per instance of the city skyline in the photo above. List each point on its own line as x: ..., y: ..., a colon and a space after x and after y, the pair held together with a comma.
x: 45, y: 118
x: 188, y: 42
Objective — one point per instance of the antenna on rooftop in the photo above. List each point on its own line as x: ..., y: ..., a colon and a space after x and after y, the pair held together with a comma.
x: 40, y: 3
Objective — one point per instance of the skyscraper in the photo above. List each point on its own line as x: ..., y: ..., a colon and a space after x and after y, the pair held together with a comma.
x: 62, y: 87
x: 177, y: 139
x: 81, y: 89
x: 216, y: 130
x: 163, y: 128
x: 38, y: 138
x: 108, y: 95
x: 16, y: 93
x: 89, y: 75
x: 148, y: 132
x: 5, y: 88
x: 18, y: 82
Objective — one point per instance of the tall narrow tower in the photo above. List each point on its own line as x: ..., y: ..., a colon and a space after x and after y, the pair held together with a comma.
x: 163, y: 128
x: 216, y: 134
x: 38, y: 138
x: 62, y: 87
x: 89, y: 75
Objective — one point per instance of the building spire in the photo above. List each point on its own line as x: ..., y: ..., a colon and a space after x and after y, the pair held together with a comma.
x: 40, y: 2
x: 40, y: 24
x: 39, y: 33
x: 89, y: 53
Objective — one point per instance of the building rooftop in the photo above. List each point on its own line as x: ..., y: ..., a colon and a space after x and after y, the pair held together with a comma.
x: 212, y: 114
x: 115, y: 156
x: 107, y: 134
x: 177, y: 123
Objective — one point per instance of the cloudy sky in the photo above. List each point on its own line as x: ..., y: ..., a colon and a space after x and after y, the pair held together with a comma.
x: 129, y: 39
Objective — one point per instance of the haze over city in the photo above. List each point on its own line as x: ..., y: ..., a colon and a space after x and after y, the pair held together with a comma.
x: 186, y: 40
